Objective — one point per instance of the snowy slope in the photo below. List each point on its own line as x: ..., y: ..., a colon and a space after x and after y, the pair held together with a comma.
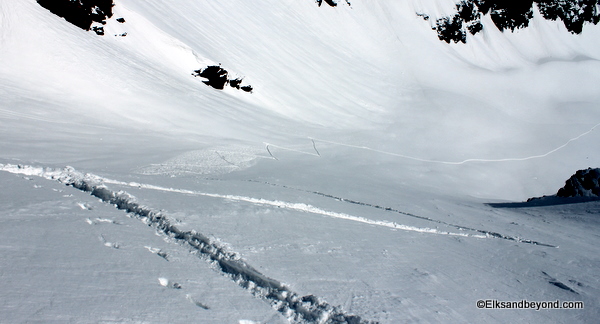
x: 373, y: 66
x: 356, y: 171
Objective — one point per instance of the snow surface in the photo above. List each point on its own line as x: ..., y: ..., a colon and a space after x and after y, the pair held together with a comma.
x: 357, y: 172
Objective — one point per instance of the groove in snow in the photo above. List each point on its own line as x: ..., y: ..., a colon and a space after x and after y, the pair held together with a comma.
x: 538, y: 156
x: 297, y: 309
x: 302, y: 207
x: 393, y: 210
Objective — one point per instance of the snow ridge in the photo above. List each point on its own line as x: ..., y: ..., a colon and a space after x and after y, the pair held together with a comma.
x: 297, y: 309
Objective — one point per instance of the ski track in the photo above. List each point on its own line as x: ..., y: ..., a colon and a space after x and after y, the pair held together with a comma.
x: 451, y: 162
x: 297, y: 309
x: 291, y: 150
x: 302, y: 207
x: 486, y: 234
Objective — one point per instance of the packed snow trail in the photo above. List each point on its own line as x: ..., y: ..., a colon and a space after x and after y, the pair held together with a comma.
x: 302, y: 207
x: 297, y: 309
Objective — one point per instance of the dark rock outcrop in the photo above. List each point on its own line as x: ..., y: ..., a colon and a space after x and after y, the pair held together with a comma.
x: 217, y: 77
x: 247, y: 88
x: 99, y: 30
x: 235, y: 83
x: 584, y: 183
x: 81, y: 13
x: 331, y: 3
x: 583, y: 186
x: 511, y: 15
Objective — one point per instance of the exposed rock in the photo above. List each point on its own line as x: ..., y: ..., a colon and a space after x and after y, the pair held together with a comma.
x: 217, y: 77
x: 584, y: 183
x: 81, y: 13
x: 581, y: 187
x: 99, y: 30
x: 513, y: 15
x: 331, y: 3
x: 235, y: 83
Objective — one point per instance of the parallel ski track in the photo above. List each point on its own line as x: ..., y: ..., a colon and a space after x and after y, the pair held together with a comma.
x: 297, y: 309
x: 481, y: 160
x: 485, y: 233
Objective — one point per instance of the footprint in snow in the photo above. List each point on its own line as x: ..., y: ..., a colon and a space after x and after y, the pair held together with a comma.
x: 113, y: 245
x: 555, y: 282
x: 158, y: 252
x: 97, y: 221
x: 195, y: 302
x: 168, y: 283
x: 85, y: 206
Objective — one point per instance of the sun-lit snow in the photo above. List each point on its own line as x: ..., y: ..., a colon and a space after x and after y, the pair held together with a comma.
x: 356, y: 175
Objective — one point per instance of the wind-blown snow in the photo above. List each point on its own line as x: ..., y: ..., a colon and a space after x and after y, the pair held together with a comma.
x: 358, y: 170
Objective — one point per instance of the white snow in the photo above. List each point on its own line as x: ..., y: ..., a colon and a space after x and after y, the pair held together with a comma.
x: 353, y: 181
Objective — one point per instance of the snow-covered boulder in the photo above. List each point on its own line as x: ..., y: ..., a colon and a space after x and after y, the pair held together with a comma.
x: 584, y: 183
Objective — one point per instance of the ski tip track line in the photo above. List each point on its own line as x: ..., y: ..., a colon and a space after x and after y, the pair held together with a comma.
x: 482, y: 233
x: 515, y: 159
x: 315, y: 147
x: 297, y: 309
x: 269, y: 151
x: 302, y: 207
x: 317, y: 154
